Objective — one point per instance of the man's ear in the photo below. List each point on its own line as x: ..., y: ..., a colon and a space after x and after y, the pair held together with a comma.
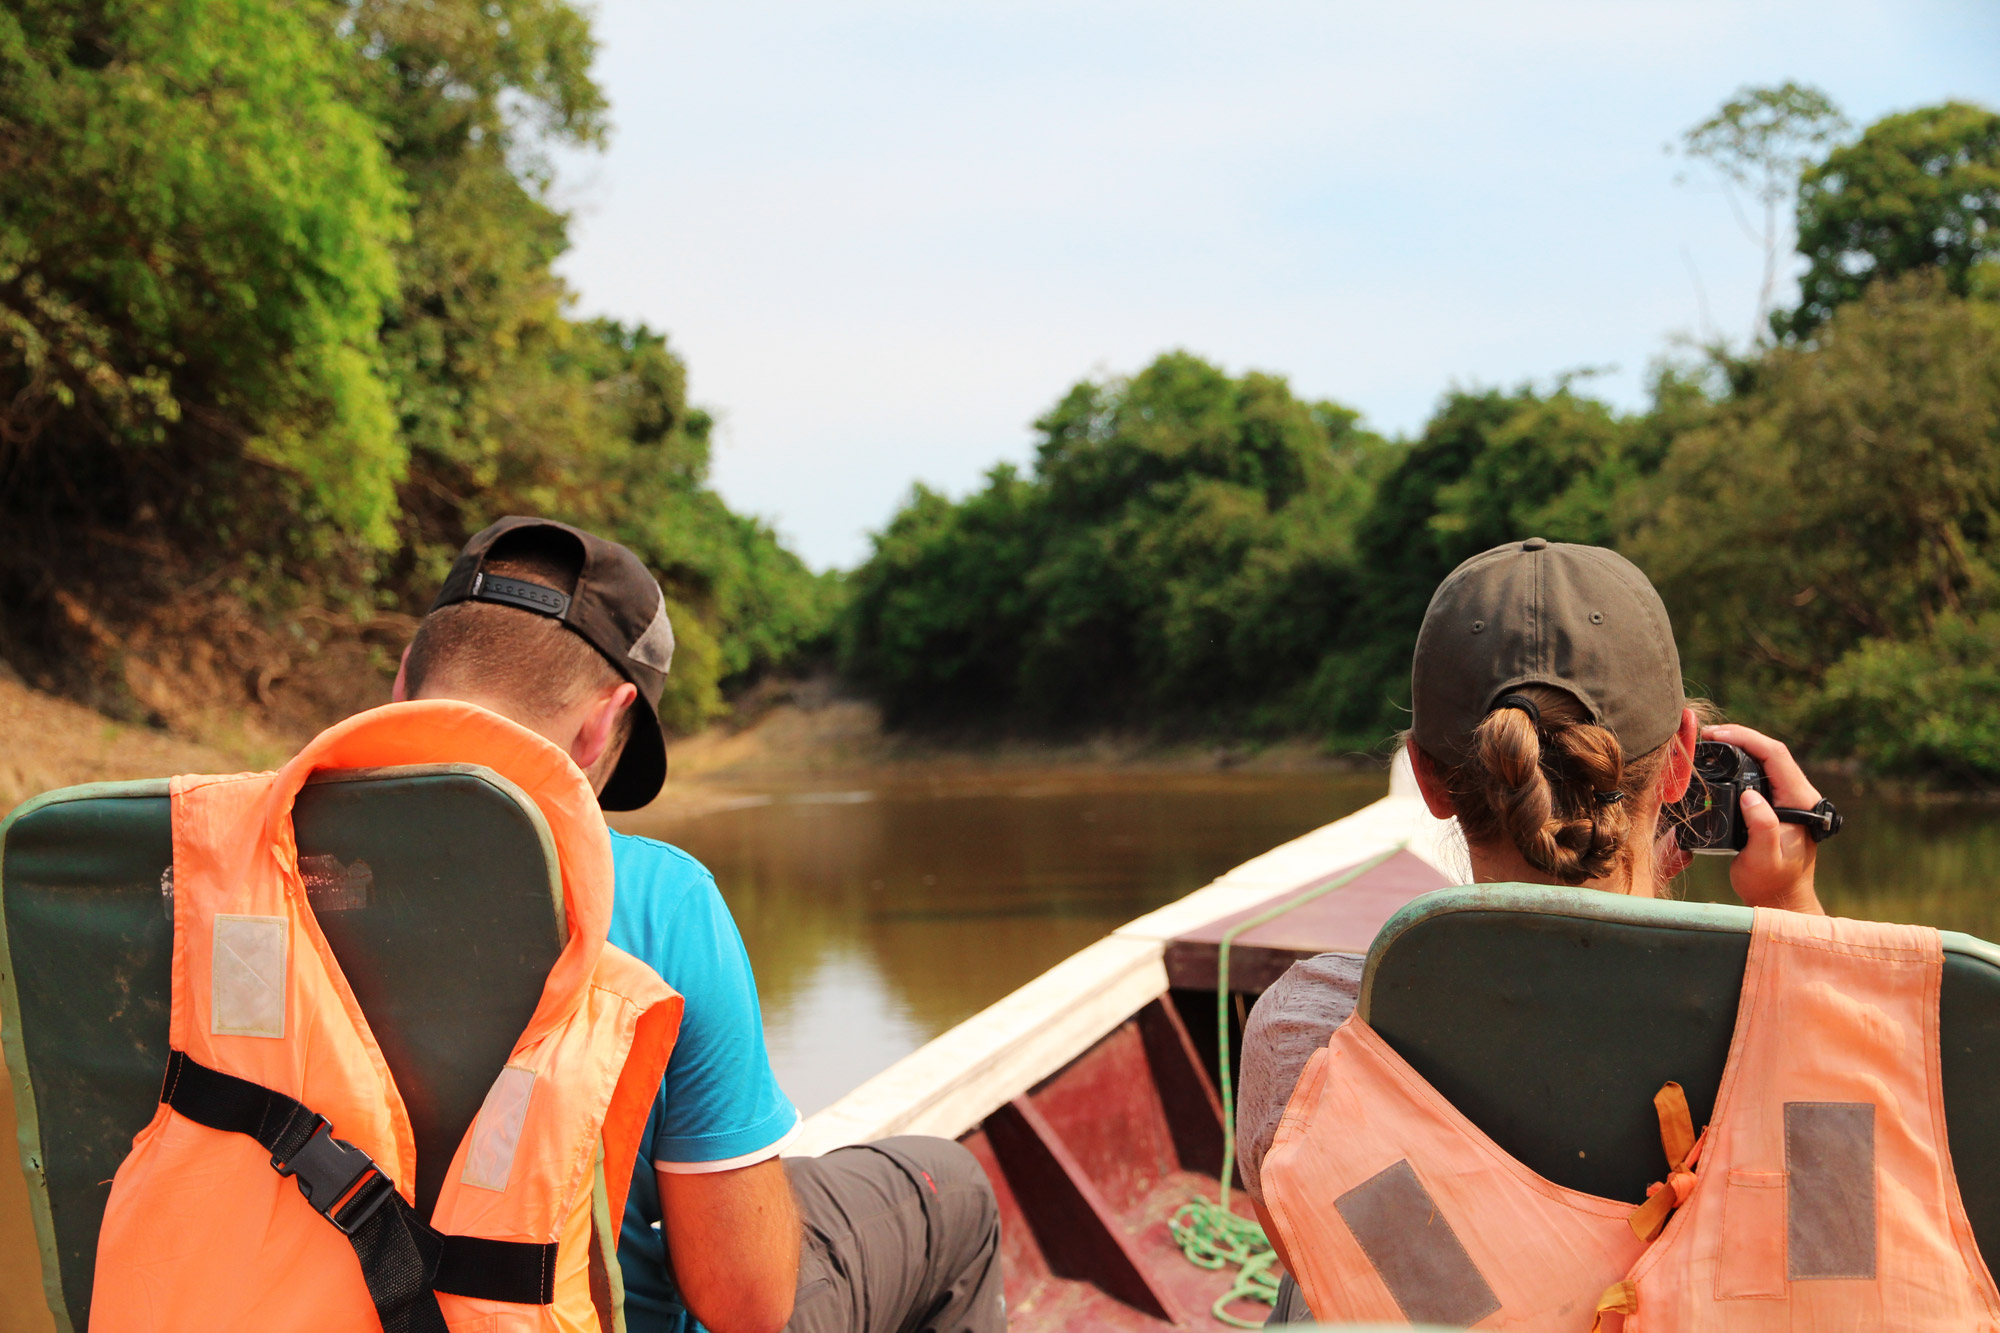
x: 599, y: 724
x: 400, y: 691
x: 1437, y: 798
x: 1680, y: 760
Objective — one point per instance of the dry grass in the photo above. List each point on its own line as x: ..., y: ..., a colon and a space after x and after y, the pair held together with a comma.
x: 46, y: 742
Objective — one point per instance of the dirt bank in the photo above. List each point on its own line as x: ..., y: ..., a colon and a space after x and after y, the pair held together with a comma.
x: 48, y: 742
x: 796, y: 729
x: 792, y: 731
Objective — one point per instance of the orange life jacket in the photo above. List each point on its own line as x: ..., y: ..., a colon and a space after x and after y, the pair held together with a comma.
x: 1821, y: 1196
x: 202, y: 1233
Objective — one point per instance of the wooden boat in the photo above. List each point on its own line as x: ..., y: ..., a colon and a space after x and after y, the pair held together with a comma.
x: 1547, y: 1016
x: 1089, y: 1093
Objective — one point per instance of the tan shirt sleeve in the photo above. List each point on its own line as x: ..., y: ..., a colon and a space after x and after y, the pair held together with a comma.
x: 1292, y: 1019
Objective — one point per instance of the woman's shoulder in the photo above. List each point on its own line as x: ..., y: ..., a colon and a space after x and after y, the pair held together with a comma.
x: 1294, y: 1018
x: 1318, y: 992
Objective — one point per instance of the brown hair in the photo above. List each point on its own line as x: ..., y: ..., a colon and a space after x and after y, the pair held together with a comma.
x: 531, y: 661
x: 1560, y: 788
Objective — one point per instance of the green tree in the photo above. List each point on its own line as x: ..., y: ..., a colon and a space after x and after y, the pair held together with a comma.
x: 1919, y: 190
x: 938, y: 614
x: 1151, y: 570
x: 197, y: 231
x: 1926, y: 708
x: 1759, y: 141
x: 1852, y: 495
x: 279, y: 329
x: 510, y: 406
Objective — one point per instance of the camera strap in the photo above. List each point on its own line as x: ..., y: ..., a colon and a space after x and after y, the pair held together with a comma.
x: 1821, y: 822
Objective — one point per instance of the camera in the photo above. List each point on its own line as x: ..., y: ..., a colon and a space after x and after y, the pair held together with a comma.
x: 1709, y: 818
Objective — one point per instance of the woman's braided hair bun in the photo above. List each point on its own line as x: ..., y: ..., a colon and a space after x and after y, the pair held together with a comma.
x: 1544, y: 777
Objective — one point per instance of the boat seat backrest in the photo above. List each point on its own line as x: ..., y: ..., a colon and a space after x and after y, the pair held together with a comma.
x: 436, y: 888
x: 1550, y: 1017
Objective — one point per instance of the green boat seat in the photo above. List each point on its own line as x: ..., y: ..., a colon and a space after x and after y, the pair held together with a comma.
x: 436, y: 888
x: 1551, y: 1016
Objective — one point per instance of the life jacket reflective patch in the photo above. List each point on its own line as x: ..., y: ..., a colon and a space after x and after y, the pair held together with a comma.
x: 1821, y: 1195
x: 1361, y: 1115
x: 1414, y: 1250
x: 216, y: 1219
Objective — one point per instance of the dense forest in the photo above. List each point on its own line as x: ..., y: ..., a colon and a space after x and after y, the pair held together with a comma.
x: 1200, y: 553
x: 279, y: 328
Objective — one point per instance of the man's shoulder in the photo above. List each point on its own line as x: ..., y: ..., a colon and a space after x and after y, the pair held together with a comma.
x: 659, y: 863
x: 656, y: 885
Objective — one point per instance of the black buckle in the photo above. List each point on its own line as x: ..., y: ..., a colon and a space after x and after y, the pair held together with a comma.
x: 543, y: 601
x: 1821, y: 822
x: 327, y: 1169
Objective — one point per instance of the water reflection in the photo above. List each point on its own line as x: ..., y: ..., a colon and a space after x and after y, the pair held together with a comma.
x: 880, y: 910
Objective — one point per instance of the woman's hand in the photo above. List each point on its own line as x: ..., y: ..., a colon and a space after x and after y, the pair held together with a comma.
x: 1775, y: 867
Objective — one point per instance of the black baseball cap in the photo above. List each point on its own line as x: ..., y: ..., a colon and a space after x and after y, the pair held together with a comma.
x: 1579, y: 618
x: 617, y: 608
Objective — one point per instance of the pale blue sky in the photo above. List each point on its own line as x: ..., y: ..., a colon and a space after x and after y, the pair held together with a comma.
x: 886, y: 236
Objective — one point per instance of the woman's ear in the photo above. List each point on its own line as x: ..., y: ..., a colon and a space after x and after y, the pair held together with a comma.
x: 1437, y: 797
x: 1680, y: 760
x: 400, y: 691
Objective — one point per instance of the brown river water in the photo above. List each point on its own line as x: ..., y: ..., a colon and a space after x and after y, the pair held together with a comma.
x: 881, y: 908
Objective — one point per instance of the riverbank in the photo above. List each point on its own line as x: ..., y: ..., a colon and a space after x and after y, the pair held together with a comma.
x: 801, y: 727
x: 47, y: 742
x: 784, y: 732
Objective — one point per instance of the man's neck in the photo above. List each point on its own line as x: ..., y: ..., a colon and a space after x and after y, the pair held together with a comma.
x: 494, y: 704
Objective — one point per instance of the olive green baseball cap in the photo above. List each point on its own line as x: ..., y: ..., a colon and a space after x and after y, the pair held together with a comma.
x: 1536, y: 612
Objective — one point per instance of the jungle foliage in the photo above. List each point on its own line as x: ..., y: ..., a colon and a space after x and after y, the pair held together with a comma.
x: 1205, y: 554
x: 278, y: 323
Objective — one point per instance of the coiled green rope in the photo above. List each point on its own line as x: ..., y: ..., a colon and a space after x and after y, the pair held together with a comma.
x: 1209, y: 1234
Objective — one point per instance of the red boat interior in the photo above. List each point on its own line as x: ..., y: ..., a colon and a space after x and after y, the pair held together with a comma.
x: 1090, y: 1165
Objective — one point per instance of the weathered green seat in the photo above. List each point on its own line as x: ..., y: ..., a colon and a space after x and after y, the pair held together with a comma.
x: 1551, y: 1016
x: 436, y: 888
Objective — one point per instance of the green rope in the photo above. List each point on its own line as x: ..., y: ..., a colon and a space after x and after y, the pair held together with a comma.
x: 1209, y: 1234
x: 1211, y: 1237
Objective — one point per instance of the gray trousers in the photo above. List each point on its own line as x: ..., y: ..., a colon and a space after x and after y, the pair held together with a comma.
x: 902, y: 1236
x: 1291, y: 1306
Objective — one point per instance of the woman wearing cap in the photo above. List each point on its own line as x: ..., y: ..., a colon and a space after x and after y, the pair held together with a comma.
x: 1549, y: 720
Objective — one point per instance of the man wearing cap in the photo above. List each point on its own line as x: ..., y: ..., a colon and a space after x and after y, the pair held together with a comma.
x: 568, y: 635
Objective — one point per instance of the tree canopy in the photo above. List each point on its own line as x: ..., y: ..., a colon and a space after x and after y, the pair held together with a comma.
x: 1204, y: 553
x: 1917, y: 191
x: 279, y: 328
x: 1171, y: 519
x: 1759, y: 141
x: 278, y: 325
x: 197, y: 245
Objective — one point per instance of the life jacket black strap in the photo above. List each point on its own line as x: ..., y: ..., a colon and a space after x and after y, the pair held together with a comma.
x: 404, y: 1260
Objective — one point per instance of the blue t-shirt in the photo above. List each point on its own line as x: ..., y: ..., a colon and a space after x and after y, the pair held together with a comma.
x: 720, y: 1101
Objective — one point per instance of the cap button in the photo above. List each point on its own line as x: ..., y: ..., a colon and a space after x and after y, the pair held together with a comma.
x: 1534, y: 543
